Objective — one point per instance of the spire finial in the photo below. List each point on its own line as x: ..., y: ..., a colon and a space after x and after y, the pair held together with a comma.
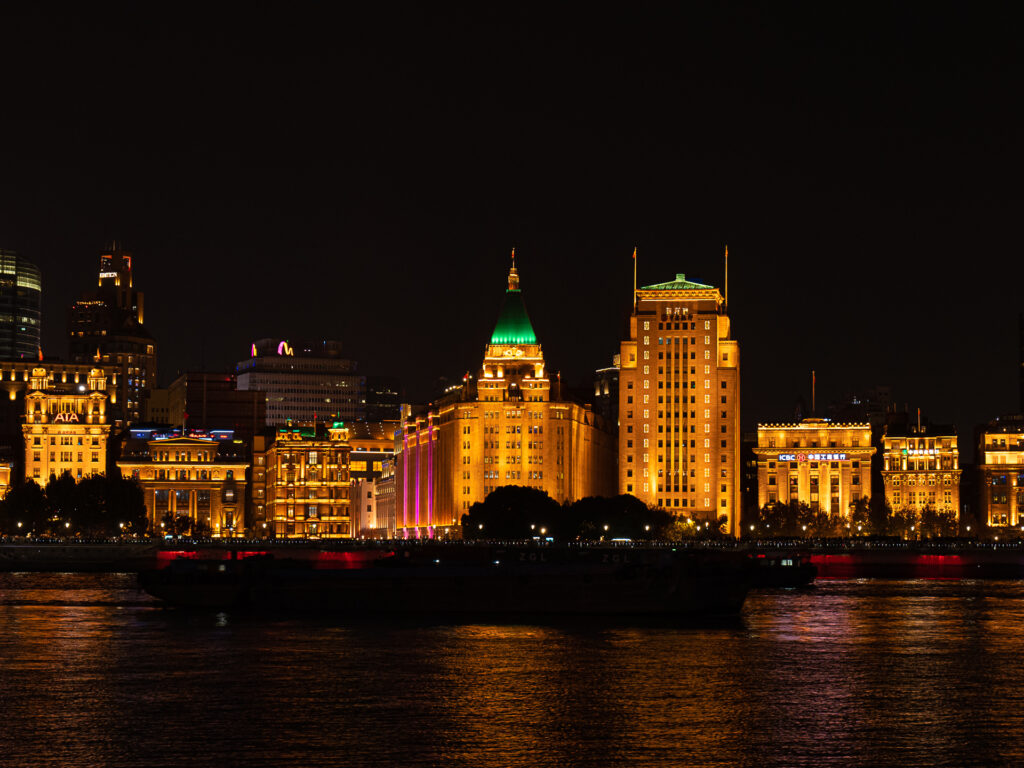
x: 513, y: 276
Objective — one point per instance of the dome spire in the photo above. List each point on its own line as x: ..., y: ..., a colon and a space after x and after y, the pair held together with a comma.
x: 513, y: 276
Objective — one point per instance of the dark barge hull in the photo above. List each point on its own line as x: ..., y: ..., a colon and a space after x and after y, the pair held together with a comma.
x: 592, y: 581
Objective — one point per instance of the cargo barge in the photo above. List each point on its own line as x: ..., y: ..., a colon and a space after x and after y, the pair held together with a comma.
x: 458, y: 579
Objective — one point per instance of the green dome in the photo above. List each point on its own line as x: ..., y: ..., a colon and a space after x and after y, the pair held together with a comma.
x: 513, y: 323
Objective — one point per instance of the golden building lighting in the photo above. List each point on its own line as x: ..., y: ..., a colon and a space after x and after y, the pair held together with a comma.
x: 1001, y: 471
x: 199, y: 475
x: 301, y: 482
x: 65, y: 427
x: 921, y: 468
x: 824, y: 465
x: 506, y: 426
x: 679, y: 403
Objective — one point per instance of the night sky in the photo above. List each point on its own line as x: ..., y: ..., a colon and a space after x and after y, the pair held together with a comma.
x: 365, y: 177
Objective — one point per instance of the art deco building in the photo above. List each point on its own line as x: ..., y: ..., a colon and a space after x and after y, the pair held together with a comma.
x: 679, y: 403
x: 301, y: 484
x: 106, y: 329
x: 921, y: 467
x: 65, y: 427
x: 506, y: 426
x: 200, y: 476
x: 824, y: 465
x: 1001, y: 471
x: 21, y: 294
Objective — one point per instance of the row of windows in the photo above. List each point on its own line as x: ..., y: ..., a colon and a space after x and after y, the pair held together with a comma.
x: 66, y: 456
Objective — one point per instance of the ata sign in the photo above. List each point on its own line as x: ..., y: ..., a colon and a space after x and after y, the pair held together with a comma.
x: 65, y: 417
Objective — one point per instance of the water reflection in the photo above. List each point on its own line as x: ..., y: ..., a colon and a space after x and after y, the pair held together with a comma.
x: 869, y: 673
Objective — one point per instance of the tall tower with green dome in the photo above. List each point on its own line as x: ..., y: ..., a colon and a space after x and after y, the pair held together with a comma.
x: 513, y: 368
x: 502, y: 429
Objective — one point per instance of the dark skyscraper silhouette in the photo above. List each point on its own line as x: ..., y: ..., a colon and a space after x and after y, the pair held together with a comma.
x: 106, y: 327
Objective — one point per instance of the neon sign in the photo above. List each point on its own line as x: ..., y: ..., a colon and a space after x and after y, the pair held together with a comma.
x: 284, y: 349
x: 812, y: 457
x: 65, y: 417
x: 252, y: 352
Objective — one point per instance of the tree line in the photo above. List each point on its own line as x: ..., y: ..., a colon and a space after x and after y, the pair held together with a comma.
x: 97, y: 506
x: 517, y: 512
x: 797, y: 519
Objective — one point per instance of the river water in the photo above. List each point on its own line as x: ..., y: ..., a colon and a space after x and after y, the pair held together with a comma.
x: 93, y: 673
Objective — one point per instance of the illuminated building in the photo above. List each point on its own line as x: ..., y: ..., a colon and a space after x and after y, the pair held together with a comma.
x: 199, y: 475
x: 21, y: 296
x: 303, y: 381
x: 824, y: 465
x: 5, y: 478
x: 106, y: 329
x: 65, y: 427
x: 679, y: 403
x: 1001, y: 471
x: 372, y: 455
x: 505, y: 426
x: 14, y: 382
x: 372, y: 444
x: 301, y: 485
x: 921, y: 467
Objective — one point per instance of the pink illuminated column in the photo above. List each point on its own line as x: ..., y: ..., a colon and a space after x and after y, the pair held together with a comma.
x: 419, y: 449
x: 405, y: 482
x: 430, y: 473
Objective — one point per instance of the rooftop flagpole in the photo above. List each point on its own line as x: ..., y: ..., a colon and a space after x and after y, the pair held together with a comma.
x: 634, y: 280
x: 726, y: 301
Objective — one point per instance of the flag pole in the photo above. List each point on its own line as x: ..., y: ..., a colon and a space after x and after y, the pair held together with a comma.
x: 634, y: 280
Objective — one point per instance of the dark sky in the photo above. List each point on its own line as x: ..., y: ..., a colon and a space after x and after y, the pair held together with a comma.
x: 364, y: 178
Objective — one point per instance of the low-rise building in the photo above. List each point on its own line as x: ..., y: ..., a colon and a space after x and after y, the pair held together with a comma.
x: 1001, y: 471
x: 921, y: 467
x: 196, y: 475
x: 824, y: 465
x: 301, y: 482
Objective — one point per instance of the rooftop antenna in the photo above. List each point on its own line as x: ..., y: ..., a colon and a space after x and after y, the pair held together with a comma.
x: 726, y: 301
